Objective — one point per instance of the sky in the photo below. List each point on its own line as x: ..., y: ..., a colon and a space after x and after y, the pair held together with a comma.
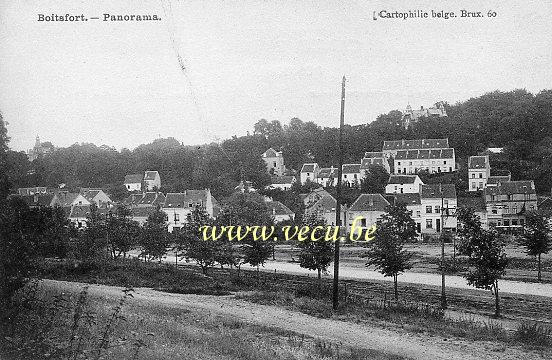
x: 120, y: 83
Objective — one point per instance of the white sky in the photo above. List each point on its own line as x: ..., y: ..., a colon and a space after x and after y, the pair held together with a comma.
x: 120, y: 84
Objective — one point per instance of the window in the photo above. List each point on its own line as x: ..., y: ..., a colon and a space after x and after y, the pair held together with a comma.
x: 522, y: 222
x: 176, y: 217
x: 473, y: 175
x: 506, y: 222
x: 363, y: 222
x: 411, y: 163
x: 494, y: 211
x: 429, y: 224
x: 444, y: 162
x: 345, y: 176
x: 532, y: 207
x: 308, y: 174
x: 190, y: 205
x: 437, y: 209
x: 480, y: 175
x: 445, y: 203
x: 514, y: 222
x: 418, y: 213
x: 399, y: 163
x: 480, y: 185
x: 355, y: 176
x: 274, y: 164
x: 428, y: 209
x: 473, y: 186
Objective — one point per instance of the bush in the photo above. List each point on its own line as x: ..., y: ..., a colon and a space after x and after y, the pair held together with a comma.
x: 534, y: 334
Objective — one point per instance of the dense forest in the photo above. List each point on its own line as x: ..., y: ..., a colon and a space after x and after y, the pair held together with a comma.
x: 519, y: 121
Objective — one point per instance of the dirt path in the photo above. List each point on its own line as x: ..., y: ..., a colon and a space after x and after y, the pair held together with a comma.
x: 357, y: 335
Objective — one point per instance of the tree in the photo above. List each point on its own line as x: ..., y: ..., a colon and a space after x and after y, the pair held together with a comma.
x: 123, y: 231
x: 386, y: 252
x: 315, y: 255
x: 375, y: 180
x: 203, y: 251
x: 536, y: 237
x: 485, y: 251
x: 154, y: 238
x: 245, y: 209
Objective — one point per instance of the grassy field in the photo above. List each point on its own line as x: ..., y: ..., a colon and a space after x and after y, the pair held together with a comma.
x: 56, y: 324
x: 362, y: 302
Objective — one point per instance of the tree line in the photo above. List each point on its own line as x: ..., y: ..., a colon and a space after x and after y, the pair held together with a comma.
x: 471, y: 127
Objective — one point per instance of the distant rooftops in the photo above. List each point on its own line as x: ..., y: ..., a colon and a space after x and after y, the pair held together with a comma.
x: 270, y: 153
x: 308, y: 167
x: 133, y: 179
x: 351, y: 168
x: 511, y: 187
x: 415, y: 144
x: 429, y: 191
x: 447, y: 153
x: 184, y: 199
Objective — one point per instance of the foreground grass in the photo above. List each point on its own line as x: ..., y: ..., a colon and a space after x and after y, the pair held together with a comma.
x: 407, y: 317
x: 282, y: 291
x: 82, y: 329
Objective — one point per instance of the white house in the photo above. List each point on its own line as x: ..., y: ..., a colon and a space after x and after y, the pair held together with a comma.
x: 434, y: 198
x: 179, y: 205
x: 274, y: 161
x: 403, y: 184
x: 309, y: 172
x: 431, y: 160
x: 479, y: 171
x: 279, y: 211
x: 368, y: 208
x: 282, y: 182
x: 327, y: 176
x: 351, y: 175
x: 152, y: 180
x: 133, y: 182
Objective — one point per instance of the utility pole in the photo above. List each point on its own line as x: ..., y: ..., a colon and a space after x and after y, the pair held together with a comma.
x: 335, y: 296
x: 443, y: 293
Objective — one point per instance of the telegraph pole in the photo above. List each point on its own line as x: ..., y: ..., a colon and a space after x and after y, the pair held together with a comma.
x: 443, y: 293
x: 335, y: 296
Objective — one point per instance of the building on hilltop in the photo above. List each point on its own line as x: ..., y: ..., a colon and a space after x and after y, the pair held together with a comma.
x: 39, y: 149
x: 274, y: 161
x: 411, y: 116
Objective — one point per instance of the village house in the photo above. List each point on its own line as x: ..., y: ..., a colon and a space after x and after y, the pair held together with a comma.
x: 368, y: 208
x: 391, y: 147
x: 152, y: 181
x: 274, y: 161
x: 479, y: 171
x: 327, y: 176
x: 507, y: 203
x: 438, y: 208
x: 279, y: 211
x: 312, y: 197
x: 141, y: 214
x: 351, y: 175
x: 179, y: 205
x: 68, y: 199
x: 407, y: 184
x: 97, y: 196
x: 325, y: 209
x: 374, y: 158
x: 283, y: 183
x: 133, y: 182
x: 412, y: 116
x: 37, y: 200
x: 151, y: 199
x: 494, y: 180
x: 309, y: 172
x: 431, y: 160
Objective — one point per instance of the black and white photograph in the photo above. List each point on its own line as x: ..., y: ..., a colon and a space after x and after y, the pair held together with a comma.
x: 275, y: 179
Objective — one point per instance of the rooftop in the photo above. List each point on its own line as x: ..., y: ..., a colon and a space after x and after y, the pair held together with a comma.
x: 370, y: 202
x: 431, y: 191
x: 308, y: 167
x: 415, y: 144
x: 133, y: 178
x: 478, y: 162
x: 402, y: 179
x: 277, y: 208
